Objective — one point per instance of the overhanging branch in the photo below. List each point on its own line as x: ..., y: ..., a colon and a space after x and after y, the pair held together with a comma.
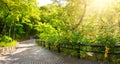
x: 81, y: 17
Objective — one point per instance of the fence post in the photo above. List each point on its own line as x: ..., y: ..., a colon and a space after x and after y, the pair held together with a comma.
x: 49, y: 46
x: 58, y: 47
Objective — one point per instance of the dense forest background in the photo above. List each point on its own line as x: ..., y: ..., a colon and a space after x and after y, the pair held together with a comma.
x: 73, y: 20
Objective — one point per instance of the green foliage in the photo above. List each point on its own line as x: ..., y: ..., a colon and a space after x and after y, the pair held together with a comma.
x: 10, y: 44
x: 107, y: 40
x: 5, y: 39
x: 18, y: 17
x: 78, y: 23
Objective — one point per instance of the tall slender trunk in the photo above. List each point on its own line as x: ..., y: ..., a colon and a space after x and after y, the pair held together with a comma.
x: 10, y: 30
x: 4, y: 20
x: 14, y: 29
x: 4, y: 27
x: 81, y: 18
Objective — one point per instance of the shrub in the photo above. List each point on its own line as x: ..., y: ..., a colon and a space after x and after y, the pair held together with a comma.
x: 10, y: 44
x: 6, y: 41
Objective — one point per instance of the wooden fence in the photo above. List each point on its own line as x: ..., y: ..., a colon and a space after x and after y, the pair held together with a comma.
x: 78, y: 46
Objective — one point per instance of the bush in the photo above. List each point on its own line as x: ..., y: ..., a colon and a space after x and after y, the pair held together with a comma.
x: 10, y: 44
x: 6, y: 41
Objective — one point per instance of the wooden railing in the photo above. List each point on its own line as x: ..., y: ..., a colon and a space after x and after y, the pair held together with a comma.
x: 78, y: 46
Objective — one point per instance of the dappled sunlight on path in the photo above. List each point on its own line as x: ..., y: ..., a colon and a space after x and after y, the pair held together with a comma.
x: 29, y: 53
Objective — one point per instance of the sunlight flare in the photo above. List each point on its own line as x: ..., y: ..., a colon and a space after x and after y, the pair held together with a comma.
x: 101, y: 4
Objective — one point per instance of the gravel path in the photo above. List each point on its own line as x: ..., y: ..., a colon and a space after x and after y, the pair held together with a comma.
x: 29, y: 53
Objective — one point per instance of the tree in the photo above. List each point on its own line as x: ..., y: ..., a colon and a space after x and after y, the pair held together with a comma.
x: 18, y: 17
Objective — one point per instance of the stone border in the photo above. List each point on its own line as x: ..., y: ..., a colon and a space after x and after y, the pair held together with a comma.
x: 7, y: 50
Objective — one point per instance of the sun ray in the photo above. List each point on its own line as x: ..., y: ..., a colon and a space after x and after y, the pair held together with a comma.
x: 101, y: 4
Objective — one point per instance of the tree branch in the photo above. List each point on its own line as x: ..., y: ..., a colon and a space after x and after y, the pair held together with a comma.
x: 81, y: 18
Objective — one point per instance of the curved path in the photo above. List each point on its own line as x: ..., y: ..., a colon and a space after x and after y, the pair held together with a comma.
x: 29, y: 53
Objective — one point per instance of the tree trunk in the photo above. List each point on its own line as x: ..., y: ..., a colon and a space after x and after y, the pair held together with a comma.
x: 81, y: 18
